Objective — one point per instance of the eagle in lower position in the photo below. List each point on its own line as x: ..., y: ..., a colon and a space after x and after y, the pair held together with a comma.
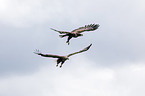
x: 61, y: 59
x: 77, y: 32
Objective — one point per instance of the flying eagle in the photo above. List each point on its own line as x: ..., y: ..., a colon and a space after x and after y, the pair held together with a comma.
x: 77, y: 32
x: 61, y: 59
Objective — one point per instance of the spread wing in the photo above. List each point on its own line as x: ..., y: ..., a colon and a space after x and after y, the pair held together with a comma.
x: 90, y: 27
x: 61, y: 32
x: 46, y: 55
x: 85, y: 49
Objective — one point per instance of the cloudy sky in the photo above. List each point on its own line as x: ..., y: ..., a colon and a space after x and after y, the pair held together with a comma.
x: 114, y: 65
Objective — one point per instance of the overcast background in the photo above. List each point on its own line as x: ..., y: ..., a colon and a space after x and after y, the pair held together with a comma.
x: 114, y: 65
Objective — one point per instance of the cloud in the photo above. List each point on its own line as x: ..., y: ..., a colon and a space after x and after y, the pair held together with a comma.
x: 78, y: 78
x: 25, y: 27
x: 25, y: 13
x: 114, y: 66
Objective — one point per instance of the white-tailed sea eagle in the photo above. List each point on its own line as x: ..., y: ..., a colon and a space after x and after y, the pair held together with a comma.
x: 61, y: 59
x: 77, y: 32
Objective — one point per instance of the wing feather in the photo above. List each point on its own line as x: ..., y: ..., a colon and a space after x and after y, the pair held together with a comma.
x: 61, y: 32
x: 85, y: 49
x: 90, y: 27
x: 46, y: 55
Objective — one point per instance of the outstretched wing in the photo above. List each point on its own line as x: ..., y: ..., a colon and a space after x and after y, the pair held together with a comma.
x: 85, y: 49
x: 90, y: 27
x: 46, y: 55
x: 61, y: 32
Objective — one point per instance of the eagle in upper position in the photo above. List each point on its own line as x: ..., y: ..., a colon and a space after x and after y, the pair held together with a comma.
x: 61, y: 59
x: 77, y: 32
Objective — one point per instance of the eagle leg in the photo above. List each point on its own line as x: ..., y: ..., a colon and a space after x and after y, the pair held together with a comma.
x: 61, y: 64
x: 58, y: 61
x: 68, y: 39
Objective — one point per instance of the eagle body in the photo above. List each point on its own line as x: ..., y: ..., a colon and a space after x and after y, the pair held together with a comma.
x: 77, y: 32
x: 61, y: 59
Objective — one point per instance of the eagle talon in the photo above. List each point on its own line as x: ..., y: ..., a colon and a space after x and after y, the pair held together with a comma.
x: 67, y: 42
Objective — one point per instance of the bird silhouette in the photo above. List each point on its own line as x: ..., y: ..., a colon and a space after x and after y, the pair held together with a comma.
x: 77, y: 32
x: 61, y: 59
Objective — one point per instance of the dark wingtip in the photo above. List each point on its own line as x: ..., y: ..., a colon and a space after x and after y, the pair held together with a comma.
x: 51, y: 28
x: 36, y: 51
x: 89, y: 46
x: 95, y: 26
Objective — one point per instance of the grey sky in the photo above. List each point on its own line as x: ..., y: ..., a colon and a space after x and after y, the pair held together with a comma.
x: 114, y: 64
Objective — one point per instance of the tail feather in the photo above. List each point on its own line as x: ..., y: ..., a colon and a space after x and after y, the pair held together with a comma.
x: 61, y: 36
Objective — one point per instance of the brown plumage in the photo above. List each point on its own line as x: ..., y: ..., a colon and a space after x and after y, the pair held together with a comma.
x: 77, y: 32
x: 61, y: 59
